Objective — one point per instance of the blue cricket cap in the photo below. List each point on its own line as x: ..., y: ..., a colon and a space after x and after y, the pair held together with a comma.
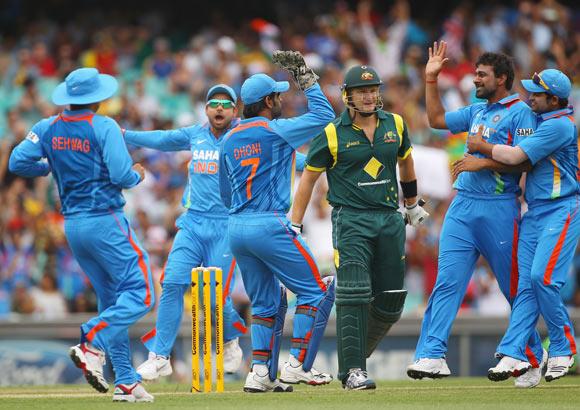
x: 222, y: 89
x: 84, y: 86
x: 259, y: 86
x: 549, y: 81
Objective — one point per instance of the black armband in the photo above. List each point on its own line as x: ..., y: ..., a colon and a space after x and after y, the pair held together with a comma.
x: 409, y: 189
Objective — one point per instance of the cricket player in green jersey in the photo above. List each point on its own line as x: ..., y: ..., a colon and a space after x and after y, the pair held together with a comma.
x: 359, y: 151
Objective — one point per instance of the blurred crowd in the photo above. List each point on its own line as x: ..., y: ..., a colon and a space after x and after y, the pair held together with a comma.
x: 164, y: 74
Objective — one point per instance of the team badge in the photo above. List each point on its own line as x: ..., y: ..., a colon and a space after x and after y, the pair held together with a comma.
x: 390, y: 137
x: 367, y: 76
x: 496, y: 118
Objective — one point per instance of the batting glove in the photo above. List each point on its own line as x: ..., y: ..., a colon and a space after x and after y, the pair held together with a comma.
x: 414, y: 214
x: 293, y: 62
x: 297, y: 228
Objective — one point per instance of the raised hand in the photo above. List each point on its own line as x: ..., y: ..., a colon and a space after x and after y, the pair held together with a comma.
x: 293, y: 62
x: 436, y: 60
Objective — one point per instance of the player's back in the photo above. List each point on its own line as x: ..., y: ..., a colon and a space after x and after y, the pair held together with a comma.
x: 260, y: 167
x: 76, y: 155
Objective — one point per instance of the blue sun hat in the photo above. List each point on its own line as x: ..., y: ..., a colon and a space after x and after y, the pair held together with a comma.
x: 259, y: 86
x: 549, y: 81
x: 84, y: 86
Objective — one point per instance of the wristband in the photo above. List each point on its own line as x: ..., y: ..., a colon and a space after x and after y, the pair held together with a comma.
x: 409, y: 189
x: 298, y: 226
x: 431, y: 81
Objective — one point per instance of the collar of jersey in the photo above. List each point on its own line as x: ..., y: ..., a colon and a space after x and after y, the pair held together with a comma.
x: 346, y: 120
x: 76, y: 113
x: 509, y: 99
x: 557, y: 113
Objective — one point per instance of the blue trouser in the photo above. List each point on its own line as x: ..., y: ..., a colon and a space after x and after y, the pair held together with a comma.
x: 109, y: 253
x: 548, y: 238
x: 268, y: 252
x: 201, y: 241
x: 474, y: 225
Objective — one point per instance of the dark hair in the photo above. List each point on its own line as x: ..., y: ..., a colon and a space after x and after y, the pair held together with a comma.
x: 75, y: 107
x: 254, y: 109
x: 502, y: 65
x: 562, y: 102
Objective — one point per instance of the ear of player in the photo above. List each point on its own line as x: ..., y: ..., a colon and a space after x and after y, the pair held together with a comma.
x: 293, y: 62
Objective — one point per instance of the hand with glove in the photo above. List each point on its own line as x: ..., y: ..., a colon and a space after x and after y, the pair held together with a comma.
x: 297, y: 228
x: 293, y: 62
x: 414, y: 214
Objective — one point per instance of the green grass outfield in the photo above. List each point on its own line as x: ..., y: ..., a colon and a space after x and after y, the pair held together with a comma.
x: 453, y: 393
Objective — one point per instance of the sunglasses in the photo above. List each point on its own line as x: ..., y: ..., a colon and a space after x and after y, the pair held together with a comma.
x: 538, y: 81
x: 224, y: 103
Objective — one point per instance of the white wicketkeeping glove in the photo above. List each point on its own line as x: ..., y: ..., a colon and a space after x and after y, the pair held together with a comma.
x: 414, y: 214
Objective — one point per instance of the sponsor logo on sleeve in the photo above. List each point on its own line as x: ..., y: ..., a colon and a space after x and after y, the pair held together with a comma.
x: 32, y: 137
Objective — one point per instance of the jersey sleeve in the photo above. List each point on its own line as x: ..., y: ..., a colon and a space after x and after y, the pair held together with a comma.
x: 523, y: 125
x: 115, y: 154
x: 459, y: 120
x: 171, y: 140
x: 548, y: 138
x: 27, y: 158
x: 300, y: 161
x: 405, y: 146
x: 299, y: 130
x: 319, y: 157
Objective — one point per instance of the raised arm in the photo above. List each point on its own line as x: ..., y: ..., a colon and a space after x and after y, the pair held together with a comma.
x: 26, y: 158
x: 435, y: 110
x: 116, y: 157
x: 299, y: 130
x: 171, y: 140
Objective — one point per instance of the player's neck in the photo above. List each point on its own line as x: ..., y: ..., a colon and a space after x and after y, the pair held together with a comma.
x: 363, y: 121
x: 498, y: 96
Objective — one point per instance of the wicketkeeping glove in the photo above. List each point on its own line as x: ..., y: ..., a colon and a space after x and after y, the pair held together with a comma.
x: 293, y: 62
x: 414, y: 214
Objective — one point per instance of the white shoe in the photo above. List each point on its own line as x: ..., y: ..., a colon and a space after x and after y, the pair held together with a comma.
x: 91, y: 361
x: 508, y: 367
x: 258, y: 381
x: 233, y: 356
x: 131, y: 393
x: 431, y: 368
x: 292, y: 373
x: 533, y: 376
x: 358, y: 379
x: 558, y: 367
x: 155, y: 367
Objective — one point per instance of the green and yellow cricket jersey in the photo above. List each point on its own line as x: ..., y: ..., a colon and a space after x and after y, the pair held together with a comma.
x: 360, y: 174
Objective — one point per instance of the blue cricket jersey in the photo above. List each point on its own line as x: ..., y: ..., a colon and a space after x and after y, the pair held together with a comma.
x: 202, y: 191
x: 553, y: 151
x: 504, y: 122
x: 259, y: 155
x: 88, y: 159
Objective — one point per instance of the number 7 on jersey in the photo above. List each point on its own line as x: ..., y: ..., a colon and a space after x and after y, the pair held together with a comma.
x: 253, y: 162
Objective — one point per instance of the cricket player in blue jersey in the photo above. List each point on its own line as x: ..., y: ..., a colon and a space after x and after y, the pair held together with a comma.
x: 256, y: 179
x: 91, y: 166
x: 484, y: 216
x: 550, y: 229
x: 202, y: 236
